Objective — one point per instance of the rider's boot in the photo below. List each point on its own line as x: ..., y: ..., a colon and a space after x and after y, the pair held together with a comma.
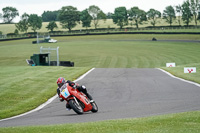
x: 68, y: 107
x: 90, y: 97
x: 84, y: 90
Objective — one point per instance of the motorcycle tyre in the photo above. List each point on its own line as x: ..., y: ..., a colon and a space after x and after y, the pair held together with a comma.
x: 75, y: 107
x: 94, y: 107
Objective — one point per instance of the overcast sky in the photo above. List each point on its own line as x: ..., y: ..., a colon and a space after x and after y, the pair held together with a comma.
x: 39, y: 6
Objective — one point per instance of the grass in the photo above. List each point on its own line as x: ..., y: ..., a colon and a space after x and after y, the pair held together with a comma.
x: 178, y: 71
x: 112, y: 51
x: 23, y: 88
x: 188, y: 122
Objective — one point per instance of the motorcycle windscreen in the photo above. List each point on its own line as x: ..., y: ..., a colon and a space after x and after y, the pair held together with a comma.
x: 65, y: 93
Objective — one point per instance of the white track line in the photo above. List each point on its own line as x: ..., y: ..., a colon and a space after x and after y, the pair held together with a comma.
x: 46, y: 103
x: 178, y: 77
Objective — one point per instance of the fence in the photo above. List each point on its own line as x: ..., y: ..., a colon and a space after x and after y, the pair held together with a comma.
x: 194, y: 30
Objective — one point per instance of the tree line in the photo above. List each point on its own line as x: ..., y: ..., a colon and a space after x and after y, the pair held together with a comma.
x: 69, y: 16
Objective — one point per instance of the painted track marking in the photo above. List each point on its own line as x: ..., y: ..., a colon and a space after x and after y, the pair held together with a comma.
x: 46, y: 103
x: 187, y: 81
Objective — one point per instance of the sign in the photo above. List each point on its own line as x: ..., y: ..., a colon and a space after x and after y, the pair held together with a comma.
x: 189, y: 69
x: 170, y: 65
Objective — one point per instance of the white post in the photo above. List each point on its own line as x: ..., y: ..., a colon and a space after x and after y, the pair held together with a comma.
x: 40, y: 49
x: 37, y: 38
x: 49, y: 55
x: 58, y: 57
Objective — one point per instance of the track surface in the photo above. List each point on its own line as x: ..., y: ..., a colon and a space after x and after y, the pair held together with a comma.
x: 121, y: 93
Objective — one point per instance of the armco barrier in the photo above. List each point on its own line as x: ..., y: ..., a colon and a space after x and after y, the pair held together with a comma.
x: 101, y: 33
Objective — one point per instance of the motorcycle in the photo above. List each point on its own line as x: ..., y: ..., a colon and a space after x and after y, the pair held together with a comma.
x: 78, y: 101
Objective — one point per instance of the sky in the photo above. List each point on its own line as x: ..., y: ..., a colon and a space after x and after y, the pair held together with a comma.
x: 39, y: 6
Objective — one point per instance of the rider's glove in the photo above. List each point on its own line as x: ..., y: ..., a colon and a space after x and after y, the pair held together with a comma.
x: 60, y: 98
x: 75, y: 86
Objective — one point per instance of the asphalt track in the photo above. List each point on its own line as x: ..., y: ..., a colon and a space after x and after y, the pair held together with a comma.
x: 121, y: 93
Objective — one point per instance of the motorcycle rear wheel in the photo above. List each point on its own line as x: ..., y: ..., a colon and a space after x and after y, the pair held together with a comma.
x: 94, y: 107
x: 77, y: 108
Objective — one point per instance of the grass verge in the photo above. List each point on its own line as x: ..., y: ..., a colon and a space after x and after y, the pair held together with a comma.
x: 23, y: 88
x: 188, y: 122
x: 178, y: 71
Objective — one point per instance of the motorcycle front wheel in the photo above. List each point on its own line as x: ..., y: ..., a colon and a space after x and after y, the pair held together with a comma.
x: 76, y: 107
x: 94, y: 107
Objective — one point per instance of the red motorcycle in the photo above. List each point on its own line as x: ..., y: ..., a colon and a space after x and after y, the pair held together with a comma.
x: 78, y: 101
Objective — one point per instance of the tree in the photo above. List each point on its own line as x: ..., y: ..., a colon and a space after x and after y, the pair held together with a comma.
x: 96, y: 14
x: 186, y: 13
x: 1, y: 16
x: 35, y: 22
x: 195, y: 8
x: 153, y: 14
x: 101, y: 15
x: 198, y: 16
x: 179, y: 11
x: 137, y: 15
x: 51, y: 26
x: 16, y: 32
x: 120, y: 17
x: 25, y: 16
x: 23, y: 23
x: 109, y: 15
x: 69, y: 16
x: 49, y: 16
x: 9, y: 13
x: 85, y: 18
x: 169, y: 14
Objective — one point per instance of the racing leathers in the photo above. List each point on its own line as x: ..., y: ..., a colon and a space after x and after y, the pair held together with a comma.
x: 81, y: 88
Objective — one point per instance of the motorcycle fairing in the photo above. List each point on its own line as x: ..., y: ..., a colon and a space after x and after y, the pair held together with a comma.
x: 65, y: 93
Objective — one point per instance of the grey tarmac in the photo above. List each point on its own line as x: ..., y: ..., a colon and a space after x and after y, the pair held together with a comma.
x: 120, y: 93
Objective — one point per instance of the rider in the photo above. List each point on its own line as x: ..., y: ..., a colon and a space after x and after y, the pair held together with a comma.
x: 62, y: 85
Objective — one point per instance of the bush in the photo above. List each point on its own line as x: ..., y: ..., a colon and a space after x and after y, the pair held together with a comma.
x: 16, y: 32
x: 11, y: 34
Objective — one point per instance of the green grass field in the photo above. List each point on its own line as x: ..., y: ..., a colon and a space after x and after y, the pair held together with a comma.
x: 108, y: 51
x: 23, y: 88
x: 112, y: 51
